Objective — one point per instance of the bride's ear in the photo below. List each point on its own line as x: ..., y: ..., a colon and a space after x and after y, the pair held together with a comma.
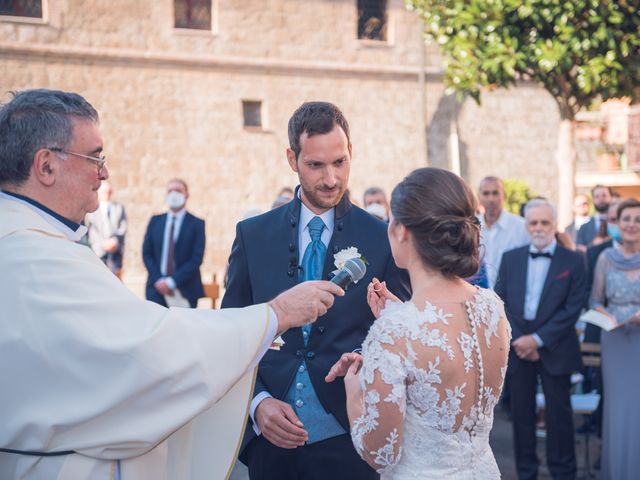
x: 401, y: 233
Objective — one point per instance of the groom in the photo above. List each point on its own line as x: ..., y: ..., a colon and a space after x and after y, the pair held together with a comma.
x: 299, y: 426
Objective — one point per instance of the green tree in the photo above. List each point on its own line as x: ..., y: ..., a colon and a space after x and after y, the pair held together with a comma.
x: 516, y: 193
x: 578, y: 50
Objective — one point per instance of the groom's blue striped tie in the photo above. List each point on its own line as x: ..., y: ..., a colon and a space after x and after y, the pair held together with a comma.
x: 313, y: 258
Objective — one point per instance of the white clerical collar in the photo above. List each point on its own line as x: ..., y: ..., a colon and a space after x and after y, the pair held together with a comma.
x: 551, y: 248
x: 73, y: 235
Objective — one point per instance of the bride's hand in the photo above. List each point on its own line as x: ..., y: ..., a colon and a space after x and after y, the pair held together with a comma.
x: 342, y: 366
x: 352, y: 386
x: 377, y: 296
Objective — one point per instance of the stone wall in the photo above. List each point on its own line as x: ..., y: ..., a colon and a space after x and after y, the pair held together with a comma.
x: 171, y: 103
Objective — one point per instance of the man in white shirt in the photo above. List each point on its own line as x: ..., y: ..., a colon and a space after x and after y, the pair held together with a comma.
x: 500, y: 230
x: 101, y: 384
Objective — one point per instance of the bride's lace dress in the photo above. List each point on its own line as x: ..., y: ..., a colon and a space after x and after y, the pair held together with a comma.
x: 431, y: 379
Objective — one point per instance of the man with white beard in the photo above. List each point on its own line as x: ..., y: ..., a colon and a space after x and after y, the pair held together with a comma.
x: 543, y: 287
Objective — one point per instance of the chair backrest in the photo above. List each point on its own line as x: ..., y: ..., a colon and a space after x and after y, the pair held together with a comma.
x: 212, y: 290
x: 590, y: 354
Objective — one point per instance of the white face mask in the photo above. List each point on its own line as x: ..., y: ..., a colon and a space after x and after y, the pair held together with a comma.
x: 175, y: 200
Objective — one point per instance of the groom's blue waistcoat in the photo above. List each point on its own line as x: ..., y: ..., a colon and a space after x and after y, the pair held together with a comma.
x: 264, y: 262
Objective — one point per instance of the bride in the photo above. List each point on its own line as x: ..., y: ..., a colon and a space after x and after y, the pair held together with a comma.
x: 420, y: 398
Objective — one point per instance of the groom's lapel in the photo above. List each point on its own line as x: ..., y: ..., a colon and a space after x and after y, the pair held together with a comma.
x: 340, y: 236
x: 289, y: 245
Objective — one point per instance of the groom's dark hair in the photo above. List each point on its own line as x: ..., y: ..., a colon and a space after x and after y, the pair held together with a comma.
x: 315, y: 118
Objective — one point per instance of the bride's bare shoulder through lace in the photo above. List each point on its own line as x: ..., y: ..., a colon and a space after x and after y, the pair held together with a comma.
x: 431, y: 378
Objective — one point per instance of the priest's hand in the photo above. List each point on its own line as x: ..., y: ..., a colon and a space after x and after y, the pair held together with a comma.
x: 279, y: 424
x: 304, y: 303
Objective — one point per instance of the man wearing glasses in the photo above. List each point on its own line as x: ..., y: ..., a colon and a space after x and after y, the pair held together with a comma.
x: 96, y: 382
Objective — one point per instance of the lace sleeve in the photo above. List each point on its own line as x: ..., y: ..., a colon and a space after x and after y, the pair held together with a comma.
x: 598, y: 290
x: 377, y: 434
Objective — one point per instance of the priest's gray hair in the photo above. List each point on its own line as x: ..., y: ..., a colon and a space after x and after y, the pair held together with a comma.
x: 36, y: 119
x: 540, y: 202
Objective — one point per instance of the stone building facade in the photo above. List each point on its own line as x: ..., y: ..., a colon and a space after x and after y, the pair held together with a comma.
x: 171, y: 102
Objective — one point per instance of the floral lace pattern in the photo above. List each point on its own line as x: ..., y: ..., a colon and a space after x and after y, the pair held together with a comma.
x: 428, y: 400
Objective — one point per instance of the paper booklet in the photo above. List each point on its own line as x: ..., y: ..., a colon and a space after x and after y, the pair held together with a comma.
x: 600, y: 320
x: 176, y: 300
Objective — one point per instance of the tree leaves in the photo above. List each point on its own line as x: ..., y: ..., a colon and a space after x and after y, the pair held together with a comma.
x: 578, y: 50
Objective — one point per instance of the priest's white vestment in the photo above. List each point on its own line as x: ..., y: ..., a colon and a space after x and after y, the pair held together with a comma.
x: 86, y: 366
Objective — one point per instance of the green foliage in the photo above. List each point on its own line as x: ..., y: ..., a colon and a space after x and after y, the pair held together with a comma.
x: 516, y: 193
x: 579, y: 50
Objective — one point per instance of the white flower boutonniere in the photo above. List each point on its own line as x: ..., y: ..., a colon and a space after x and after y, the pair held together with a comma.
x: 340, y: 258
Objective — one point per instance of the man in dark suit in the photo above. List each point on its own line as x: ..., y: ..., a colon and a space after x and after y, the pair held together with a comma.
x: 172, y: 251
x: 543, y: 287
x: 596, y: 226
x: 299, y: 426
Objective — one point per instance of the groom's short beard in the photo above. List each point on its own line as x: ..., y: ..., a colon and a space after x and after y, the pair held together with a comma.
x: 317, y: 202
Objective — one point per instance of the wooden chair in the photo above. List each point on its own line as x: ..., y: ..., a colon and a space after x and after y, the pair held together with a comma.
x: 212, y: 290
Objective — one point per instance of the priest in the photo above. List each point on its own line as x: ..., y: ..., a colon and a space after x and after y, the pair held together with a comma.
x: 97, y: 383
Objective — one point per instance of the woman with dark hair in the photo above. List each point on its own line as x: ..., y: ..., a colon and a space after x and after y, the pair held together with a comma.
x: 421, y: 396
x: 616, y: 292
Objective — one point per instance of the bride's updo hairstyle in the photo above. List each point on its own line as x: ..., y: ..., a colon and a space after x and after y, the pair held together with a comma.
x: 438, y: 208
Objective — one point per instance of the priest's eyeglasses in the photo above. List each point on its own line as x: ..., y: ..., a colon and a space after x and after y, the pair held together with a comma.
x: 99, y: 161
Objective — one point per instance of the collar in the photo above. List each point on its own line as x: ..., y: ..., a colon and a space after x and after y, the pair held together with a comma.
x: 500, y: 223
x: 179, y: 215
x: 551, y: 248
x: 306, y: 215
x: 70, y: 229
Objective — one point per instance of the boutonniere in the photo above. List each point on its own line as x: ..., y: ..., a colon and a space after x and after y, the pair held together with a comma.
x: 340, y: 258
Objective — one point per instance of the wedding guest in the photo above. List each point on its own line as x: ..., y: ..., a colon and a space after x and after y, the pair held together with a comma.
x: 107, y: 229
x: 592, y: 332
x: 375, y: 202
x: 432, y: 369
x: 286, y: 192
x: 543, y: 287
x: 596, y: 226
x: 616, y: 292
x: 501, y: 230
x: 580, y: 216
x: 172, y: 251
x: 299, y: 427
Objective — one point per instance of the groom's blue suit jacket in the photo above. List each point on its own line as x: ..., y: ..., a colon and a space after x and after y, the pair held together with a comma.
x: 264, y: 262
